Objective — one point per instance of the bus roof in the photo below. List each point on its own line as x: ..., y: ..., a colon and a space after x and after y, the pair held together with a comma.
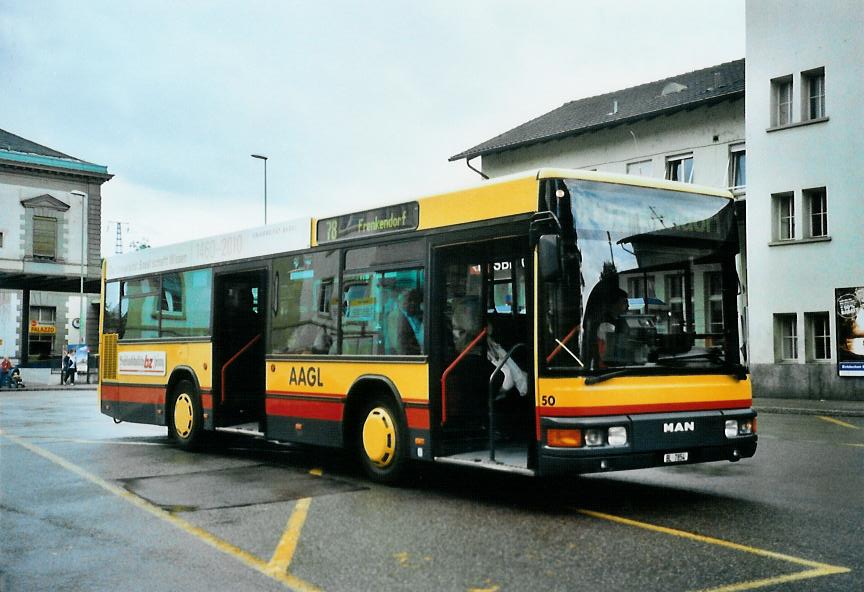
x: 234, y: 246
x: 500, y: 197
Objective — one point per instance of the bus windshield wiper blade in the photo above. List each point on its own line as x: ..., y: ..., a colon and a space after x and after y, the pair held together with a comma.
x: 603, y: 377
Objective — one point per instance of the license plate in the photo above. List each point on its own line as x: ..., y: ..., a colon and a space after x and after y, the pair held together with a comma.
x: 674, y: 457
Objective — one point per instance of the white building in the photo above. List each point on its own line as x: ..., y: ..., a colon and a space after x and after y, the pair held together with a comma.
x: 804, y: 127
x: 50, y: 206
x: 805, y: 211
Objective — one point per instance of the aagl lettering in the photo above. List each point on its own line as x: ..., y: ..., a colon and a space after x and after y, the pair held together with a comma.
x: 310, y: 376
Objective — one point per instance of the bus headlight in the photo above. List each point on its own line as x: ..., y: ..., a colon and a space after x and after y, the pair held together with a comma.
x: 617, y: 436
x: 594, y: 437
x: 740, y: 427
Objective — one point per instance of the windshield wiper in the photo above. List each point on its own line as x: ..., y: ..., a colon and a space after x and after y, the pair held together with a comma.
x: 611, y: 374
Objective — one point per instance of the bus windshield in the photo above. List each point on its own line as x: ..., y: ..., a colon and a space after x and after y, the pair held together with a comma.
x: 648, y: 282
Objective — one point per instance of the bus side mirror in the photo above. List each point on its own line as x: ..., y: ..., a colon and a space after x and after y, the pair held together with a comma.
x: 549, y: 254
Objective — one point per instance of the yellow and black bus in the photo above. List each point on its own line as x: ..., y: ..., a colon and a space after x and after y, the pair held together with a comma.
x: 551, y: 322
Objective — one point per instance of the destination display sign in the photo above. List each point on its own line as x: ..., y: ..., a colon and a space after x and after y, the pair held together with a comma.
x: 386, y: 220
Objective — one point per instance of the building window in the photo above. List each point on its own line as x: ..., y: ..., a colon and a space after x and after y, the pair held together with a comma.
x: 42, y: 330
x: 814, y: 93
x: 642, y: 168
x: 781, y: 98
x: 818, y: 327
x: 44, y: 237
x: 784, y: 216
x: 738, y: 167
x: 680, y: 168
x: 816, y: 202
x: 786, y: 337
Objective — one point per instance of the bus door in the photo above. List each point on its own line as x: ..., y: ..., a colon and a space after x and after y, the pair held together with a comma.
x: 238, y: 350
x: 481, y: 322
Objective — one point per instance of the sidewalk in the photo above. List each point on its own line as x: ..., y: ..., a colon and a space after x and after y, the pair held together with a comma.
x: 809, y: 407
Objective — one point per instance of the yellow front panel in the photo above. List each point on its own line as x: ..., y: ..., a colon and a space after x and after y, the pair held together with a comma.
x: 638, y: 392
x: 198, y: 356
x: 336, y: 378
x: 495, y: 200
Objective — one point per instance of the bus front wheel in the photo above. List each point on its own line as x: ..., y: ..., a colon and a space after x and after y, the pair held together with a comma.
x: 382, y: 441
x: 185, y: 418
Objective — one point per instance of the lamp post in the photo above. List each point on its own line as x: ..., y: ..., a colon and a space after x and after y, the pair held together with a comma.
x: 82, y: 335
x: 264, y: 158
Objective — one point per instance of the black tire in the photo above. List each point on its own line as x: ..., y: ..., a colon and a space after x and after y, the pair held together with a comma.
x: 184, y: 416
x: 382, y: 441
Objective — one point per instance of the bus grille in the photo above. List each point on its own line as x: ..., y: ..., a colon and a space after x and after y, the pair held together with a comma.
x: 109, y: 356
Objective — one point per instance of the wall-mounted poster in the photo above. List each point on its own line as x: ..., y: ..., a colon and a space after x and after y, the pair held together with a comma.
x: 849, y: 305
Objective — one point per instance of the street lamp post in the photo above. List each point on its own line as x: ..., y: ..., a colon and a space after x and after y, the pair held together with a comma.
x: 264, y: 158
x: 82, y: 335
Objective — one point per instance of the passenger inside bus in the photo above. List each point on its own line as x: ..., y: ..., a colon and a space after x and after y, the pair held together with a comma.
x: 612, y: 330
x: 405, y: 324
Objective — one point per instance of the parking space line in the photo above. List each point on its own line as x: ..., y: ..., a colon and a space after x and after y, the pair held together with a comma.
x: 816, y: 569
x: 284, y: 552
x: 838, y: 422
x: 288, y: 580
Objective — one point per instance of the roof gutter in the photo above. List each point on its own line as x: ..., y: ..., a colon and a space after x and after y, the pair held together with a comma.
x: 478, y: 171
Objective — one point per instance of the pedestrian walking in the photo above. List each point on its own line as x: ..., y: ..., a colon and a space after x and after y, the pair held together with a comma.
x: 67, y: 374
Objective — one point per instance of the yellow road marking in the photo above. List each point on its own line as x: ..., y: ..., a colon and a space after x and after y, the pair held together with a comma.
x: 838, y: 422
x: 244, y: 557
x: 817, y: 569
x: 284, y: 553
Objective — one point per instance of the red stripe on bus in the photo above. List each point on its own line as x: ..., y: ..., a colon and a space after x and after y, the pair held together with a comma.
x: 417, y: 418
x: 152, y: 395
x: 309, y: 394
x: 328, y: 410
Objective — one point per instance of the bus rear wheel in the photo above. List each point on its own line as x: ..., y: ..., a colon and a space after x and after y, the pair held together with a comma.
x: 185, y: 418
x: 382, y: 441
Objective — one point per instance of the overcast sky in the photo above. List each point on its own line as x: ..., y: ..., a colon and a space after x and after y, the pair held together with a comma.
x: 355, y: 103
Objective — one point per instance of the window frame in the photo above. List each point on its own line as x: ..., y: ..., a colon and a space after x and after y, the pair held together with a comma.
x: 736, y: 153
x: 786, y: 333
x: 779, y: 101
x: 783, y: 220
x: 810, y: 196
x: 817, y: 326
x: 54, y: 224
x: 813, y: 80
x: 679, y: 160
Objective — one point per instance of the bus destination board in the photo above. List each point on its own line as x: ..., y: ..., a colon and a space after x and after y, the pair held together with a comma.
x: 375, y: 222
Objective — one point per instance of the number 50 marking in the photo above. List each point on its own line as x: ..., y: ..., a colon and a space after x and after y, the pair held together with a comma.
x: 547, y: 400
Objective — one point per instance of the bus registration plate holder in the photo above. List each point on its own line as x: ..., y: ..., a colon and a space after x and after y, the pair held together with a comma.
x: 675, y: 457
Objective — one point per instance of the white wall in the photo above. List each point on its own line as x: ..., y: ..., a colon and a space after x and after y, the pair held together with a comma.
x: 783, y: 38
x: 611, y: 149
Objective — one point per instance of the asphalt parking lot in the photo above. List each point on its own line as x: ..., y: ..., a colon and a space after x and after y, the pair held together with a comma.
x: 89, y: 505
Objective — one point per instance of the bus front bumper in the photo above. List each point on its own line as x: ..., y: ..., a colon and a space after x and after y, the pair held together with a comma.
x: 653, y: 440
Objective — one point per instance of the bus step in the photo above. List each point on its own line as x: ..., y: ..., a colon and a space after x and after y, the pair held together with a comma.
x: 507, y: 459
x: 246, y: 429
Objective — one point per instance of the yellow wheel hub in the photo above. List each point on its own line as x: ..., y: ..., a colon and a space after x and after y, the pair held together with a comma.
x: 379, y: 437
x: 183, y: 415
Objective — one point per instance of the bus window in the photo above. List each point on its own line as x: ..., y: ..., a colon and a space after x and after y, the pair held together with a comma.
x: 111, y: 318
x: 139, y: 309
x: 185, y: 303
x: 305, y: 316
x: 382, y: 313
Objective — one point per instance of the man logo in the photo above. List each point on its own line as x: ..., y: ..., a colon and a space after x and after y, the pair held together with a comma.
x: 686, y: 426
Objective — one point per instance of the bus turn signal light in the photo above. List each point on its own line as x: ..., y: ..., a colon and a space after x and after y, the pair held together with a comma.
x: 564, y: 438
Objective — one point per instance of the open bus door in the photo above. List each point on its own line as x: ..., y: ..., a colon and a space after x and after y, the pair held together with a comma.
x: 238, y: 347
x: 482, y: 332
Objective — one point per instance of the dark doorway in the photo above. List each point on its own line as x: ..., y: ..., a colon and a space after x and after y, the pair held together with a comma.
x: 238, y: 357
x: 482, y: 295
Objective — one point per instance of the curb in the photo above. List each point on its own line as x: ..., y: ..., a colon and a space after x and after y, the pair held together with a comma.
x: 808, y: 411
